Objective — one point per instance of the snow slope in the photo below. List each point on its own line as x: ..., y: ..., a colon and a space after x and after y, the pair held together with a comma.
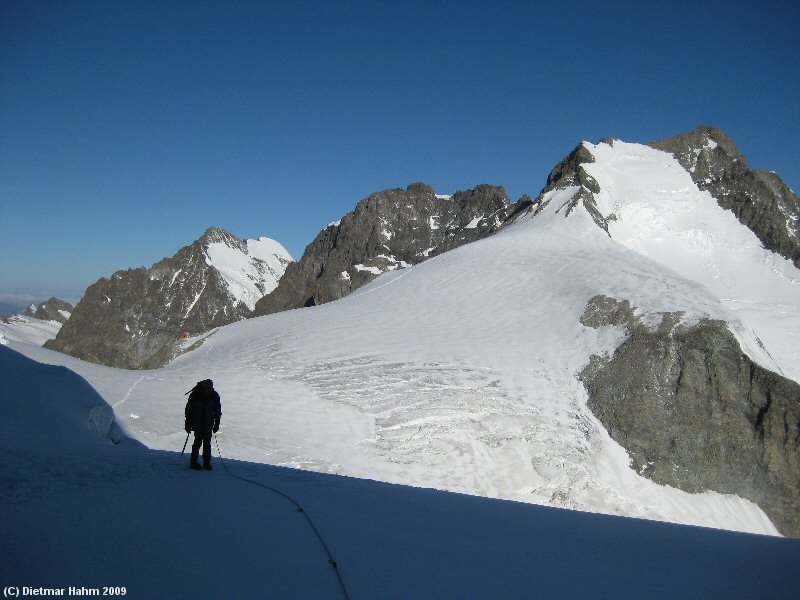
x: 27, y: 330
x: 660, y: 213
x: 81, y: 511
x: 252, y: 271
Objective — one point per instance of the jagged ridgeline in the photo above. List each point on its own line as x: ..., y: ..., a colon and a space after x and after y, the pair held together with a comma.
x: 138, y: 318
x: 389, y: 230
x: 759, y: 199
x: 54, y: 309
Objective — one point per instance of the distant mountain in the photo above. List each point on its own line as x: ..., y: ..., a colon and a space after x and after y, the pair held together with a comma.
x: 53, y: 309
x: 389, y: 230
x: 138, y: 317
x: 39, y: 323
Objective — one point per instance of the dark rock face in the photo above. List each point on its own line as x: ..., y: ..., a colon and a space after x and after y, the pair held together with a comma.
x: 136, y: 318
x: 695, y: 413
x: 570, y: 172
x: 759, y: 199
x: 53, y: 309
x: 388, y: 230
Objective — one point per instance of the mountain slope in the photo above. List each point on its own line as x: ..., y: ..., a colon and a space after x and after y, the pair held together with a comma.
x: 759, y: 199
x: 135, y: 319
x: 678, y: 397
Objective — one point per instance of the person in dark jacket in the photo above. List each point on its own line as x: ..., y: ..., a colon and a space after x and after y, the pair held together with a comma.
x: 203, y: 413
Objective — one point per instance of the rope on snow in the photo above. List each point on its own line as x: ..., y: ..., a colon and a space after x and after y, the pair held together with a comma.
x: 299, y: 508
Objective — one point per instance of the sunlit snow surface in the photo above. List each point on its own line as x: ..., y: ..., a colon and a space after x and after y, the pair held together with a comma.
x: 246, y: 279
x: 661, y: 214
x: 460, y: 373
x: 28, y: 329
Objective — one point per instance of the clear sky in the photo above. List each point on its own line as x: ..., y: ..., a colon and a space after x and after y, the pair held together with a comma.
x: 128, y: 128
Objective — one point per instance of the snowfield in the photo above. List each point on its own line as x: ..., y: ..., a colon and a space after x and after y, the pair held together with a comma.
x: 80, y: 511
x: 27, y: 330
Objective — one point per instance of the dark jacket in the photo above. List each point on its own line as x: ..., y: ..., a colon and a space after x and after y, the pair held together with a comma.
x: 204, y: 409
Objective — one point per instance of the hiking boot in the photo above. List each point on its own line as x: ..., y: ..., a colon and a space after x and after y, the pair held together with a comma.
x: 195, y: 466
x: 207, y: 467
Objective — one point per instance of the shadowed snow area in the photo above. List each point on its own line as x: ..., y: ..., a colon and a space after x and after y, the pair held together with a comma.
x: 79, y: 510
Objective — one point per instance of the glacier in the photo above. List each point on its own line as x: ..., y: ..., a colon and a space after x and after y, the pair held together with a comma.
x: 82, y: 511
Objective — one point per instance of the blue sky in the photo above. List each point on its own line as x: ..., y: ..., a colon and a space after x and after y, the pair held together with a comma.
x: 128, y: 128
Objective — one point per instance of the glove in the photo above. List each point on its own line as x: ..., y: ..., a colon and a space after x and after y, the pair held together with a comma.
x: 216, y: 428
x: 187, y: 428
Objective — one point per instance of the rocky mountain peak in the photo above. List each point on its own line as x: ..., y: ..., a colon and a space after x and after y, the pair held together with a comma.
x: 137, y: 318
x: 388, y: 230
x: 218, y: 235
x: 759, y: 199
x: 53, y: 309
x: 700, y: 146
x: 420, y: 188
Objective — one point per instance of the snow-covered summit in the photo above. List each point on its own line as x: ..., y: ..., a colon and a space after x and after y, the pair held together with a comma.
x: 649, y: 203
x: 250, y: 268
x: 724, y: 364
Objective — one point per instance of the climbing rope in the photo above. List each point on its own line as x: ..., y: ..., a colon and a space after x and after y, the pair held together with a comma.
x: 299, y: 508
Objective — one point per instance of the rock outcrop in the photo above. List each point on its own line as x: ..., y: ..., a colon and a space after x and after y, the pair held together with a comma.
x: 388, y: 230
x: 694, y: 412
x: 53, y: 309
x: 138, y: 317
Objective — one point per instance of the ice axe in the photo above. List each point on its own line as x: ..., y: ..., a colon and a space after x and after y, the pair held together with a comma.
x: 186, y: 442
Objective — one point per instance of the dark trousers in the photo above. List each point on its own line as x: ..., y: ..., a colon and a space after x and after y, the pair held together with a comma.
x: 204, y: 438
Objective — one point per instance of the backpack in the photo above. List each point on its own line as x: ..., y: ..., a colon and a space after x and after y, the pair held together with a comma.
x: 206, y: 386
